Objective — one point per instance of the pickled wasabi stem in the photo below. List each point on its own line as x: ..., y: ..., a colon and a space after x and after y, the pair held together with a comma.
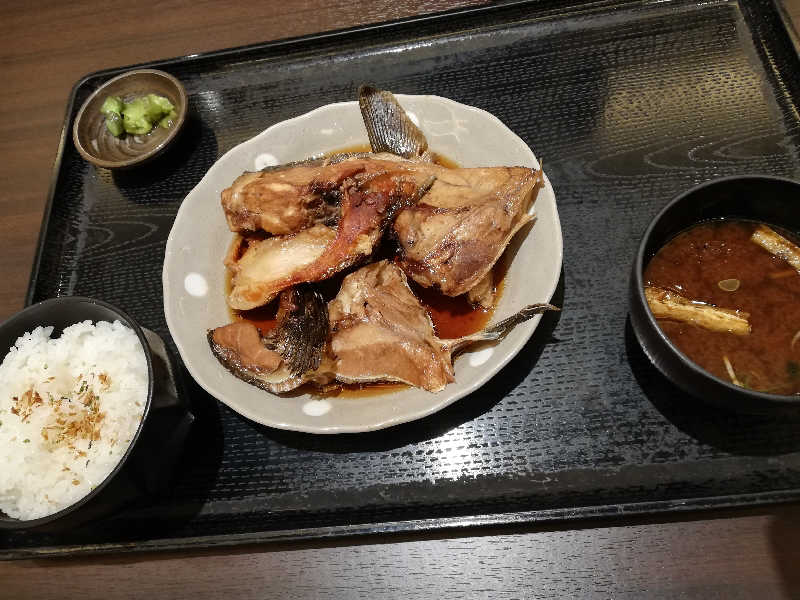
x: 112, y: 109
x: 666, y: 304
x: 138, y: 116
x: 112, y: 104
x: 777, y: 245
x: 114, y: 123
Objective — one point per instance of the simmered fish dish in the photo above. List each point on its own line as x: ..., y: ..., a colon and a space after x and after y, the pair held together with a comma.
x: 304, y: 225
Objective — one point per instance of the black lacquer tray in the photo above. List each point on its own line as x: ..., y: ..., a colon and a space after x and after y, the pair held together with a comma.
x: 628, y: 104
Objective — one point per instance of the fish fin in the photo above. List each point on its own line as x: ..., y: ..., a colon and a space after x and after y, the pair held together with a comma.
x: 388, y: 126
x: 498, y: 330
x: 301, y: 335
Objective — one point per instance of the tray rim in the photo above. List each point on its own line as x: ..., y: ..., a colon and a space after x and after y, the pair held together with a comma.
x: 604, y: 513
x: 595, y: 513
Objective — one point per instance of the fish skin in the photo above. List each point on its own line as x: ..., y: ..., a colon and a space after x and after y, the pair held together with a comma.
x: 367, y: 208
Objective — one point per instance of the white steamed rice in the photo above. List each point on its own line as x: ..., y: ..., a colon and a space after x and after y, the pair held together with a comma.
x: 58, y: 446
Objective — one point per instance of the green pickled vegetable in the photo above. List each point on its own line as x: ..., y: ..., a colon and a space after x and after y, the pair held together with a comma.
x: 138, y: 116
x: 114, y: 124
x: 164, y: 104
x: 113, y: 104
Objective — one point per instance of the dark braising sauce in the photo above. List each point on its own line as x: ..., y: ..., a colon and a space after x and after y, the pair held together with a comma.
x: 694, y: 263
x: 456, y: 317
x: 452, y: 317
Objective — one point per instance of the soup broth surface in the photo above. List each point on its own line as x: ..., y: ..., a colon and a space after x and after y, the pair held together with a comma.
x: 694, y: 262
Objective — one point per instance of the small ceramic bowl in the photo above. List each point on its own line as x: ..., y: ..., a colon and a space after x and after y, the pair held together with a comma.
x: 97, y: 145
x: 771, y: 200
x: 154, y: 448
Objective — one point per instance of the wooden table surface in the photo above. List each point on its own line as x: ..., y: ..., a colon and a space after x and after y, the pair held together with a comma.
x: 45, y: 48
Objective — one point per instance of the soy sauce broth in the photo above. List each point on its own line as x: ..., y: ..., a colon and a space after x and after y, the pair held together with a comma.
x: 694, y: 262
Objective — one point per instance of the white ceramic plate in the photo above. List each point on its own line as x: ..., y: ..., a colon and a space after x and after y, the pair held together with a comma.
x: 194, y: 277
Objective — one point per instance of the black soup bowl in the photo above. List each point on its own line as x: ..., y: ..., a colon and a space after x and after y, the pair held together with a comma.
x: 146, y: 465
x: 771, y: 200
